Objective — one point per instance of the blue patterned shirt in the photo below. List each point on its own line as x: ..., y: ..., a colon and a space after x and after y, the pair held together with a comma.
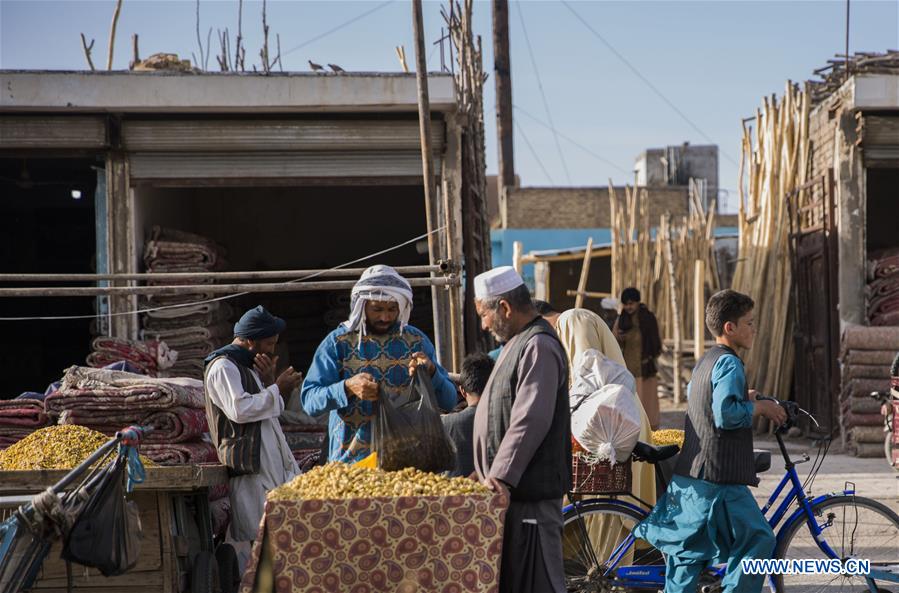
x: 386, y: 358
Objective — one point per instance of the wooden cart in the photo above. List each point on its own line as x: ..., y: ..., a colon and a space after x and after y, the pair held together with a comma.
x: 177, y: 552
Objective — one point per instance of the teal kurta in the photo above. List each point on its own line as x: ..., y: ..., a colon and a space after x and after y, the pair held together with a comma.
x: 698, y: 524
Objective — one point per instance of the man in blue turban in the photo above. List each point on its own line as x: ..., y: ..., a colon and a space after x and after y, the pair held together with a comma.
x: 375, y: 349
x: 243, y: 401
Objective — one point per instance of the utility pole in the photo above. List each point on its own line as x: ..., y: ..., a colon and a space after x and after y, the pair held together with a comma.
x: 502, y: 73
x: 440, y: 297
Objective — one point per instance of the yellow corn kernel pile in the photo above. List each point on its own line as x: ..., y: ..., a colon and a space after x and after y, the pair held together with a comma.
x: 54, y: 447
x: 339, y: 480
x: 668, y: 436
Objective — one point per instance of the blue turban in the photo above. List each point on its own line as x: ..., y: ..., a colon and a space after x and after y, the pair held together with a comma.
x: 258, y: 324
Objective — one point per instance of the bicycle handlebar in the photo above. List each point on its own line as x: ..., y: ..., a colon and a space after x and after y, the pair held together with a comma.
x: 791, y: 408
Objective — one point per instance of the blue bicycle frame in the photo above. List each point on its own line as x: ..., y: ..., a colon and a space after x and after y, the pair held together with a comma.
x: 654, y: 575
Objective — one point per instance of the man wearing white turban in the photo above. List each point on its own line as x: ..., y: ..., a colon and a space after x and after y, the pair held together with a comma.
x: 374, y: 350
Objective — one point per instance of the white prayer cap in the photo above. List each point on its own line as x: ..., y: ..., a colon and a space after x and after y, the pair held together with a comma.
x: 495, y: 282
x: 609, y: 303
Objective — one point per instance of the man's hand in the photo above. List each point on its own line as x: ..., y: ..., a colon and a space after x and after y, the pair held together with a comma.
x: 772, y: 411
x: 288, y: 381
x: 497, y: 486
x: 362, y: 386
x: 265, y: 366
x: 420, y: 359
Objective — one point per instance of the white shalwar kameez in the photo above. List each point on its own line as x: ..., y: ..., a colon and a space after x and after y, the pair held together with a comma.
x: 277, y: 464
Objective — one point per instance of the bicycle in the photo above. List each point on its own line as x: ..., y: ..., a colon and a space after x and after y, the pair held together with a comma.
x: 889, y: 404
x: 839, y: 525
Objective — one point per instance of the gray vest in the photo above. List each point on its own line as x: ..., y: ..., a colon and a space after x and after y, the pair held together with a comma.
x: 711, y: 453
x: 548, y: 475
x: 239, y: 445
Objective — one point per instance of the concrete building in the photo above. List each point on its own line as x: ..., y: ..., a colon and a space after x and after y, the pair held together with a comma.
x: 849, y: 216
x: 287, y: 171
x: 676, y: 165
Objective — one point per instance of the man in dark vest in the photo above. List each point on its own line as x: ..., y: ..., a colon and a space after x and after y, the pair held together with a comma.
x: 243, y: 401
x: 522, y: 433
x: 708, y: 515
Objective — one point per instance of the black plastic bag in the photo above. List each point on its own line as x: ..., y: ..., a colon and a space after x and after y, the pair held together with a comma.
x: 408, y: 431
x: 106, y: 535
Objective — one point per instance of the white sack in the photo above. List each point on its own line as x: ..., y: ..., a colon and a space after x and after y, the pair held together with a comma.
x: 605, y: 417
x: 593, y: 370
x: 607, y: 423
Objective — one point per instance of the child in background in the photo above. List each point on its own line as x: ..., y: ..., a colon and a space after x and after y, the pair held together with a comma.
x: 476, y: 369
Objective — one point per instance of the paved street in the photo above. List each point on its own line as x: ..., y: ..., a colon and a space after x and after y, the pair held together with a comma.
x: 873, y: 478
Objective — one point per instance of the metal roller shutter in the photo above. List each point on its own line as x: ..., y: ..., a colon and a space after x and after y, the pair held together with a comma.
x: 880, y: 140
x: 52, y: 132
x: 275, y: 135
x: 277, y: 165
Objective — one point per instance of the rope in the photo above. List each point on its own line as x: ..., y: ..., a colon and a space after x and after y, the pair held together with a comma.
x: 227, y: 296
x: 129, y: 441
x: 49, y: 514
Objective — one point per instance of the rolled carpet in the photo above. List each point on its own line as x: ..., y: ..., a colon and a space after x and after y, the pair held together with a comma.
x: 181, y: 453
x: 867, y: 434
x: 866, y: 371
x: 884, y: 357
x: 860, y: 337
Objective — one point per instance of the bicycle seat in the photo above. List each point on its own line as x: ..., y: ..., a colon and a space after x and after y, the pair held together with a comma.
x: 762, y: 460
x: 651, y: 454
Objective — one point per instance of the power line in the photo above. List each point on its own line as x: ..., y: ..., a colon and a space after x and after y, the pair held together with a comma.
x: 549, y: 116
x: 534, y: 152
x: 575, y: 142
x: 338, y: 27
x: 646, y: 81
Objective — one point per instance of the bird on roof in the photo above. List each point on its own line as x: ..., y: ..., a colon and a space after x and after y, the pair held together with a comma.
x: 336, y: 68
x: 315, y: 67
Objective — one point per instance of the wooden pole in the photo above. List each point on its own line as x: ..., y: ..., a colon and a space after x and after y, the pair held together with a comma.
x: 675, y: 309
x: 502, y: 73
x: 427, y: 165
x: 207, y: 288
x: 699, y: 309
x: 115, y: 22
x: 517, y: 252
x: 585, y: 273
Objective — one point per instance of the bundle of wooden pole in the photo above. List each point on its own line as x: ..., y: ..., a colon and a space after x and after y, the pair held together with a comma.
x: 776, y: 158
x: 675, y: 270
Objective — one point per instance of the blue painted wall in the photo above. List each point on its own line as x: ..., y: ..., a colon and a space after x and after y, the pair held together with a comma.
x: 540, y: 239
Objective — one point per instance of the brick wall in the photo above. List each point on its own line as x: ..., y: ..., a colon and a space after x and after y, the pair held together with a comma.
x: 582, y: 207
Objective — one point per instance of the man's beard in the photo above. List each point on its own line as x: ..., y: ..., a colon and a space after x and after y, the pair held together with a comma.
x: 379, y: 330
x: 502, y: 329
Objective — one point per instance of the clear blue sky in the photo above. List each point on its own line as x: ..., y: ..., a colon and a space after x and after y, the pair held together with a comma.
x: 713, y: 60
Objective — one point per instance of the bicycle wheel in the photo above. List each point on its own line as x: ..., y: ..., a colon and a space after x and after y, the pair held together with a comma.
x: 854, y: 527
x: 590, y: 535
x: 888, y: 450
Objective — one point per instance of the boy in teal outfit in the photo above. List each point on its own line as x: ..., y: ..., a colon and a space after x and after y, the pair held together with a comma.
x: 708, y: 516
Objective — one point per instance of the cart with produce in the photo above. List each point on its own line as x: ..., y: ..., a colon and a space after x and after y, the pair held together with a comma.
x: 175, y: 552
x: 361, y: 530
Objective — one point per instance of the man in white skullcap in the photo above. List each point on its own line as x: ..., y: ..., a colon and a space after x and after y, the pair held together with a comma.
x: 522, y: 432
x: 375, y: 349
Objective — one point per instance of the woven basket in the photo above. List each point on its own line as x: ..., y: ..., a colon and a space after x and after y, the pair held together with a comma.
x: 599, y: 478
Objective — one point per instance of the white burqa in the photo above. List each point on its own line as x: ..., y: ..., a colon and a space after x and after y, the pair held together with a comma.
x: 277, y: 464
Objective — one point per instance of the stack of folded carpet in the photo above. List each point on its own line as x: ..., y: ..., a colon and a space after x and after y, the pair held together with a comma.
x: 152, y: 358
x: 883, y: 288
x: 866, y: 355
x: 189, y: 323
x: 108, y: 400
x: 20, y: 417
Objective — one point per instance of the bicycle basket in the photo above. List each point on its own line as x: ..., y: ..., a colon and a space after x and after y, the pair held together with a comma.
x: 600, y: 477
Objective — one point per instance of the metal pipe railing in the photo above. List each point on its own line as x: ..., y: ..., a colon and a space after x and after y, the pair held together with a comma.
x: 64, y: 291
x: 442, y: 267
